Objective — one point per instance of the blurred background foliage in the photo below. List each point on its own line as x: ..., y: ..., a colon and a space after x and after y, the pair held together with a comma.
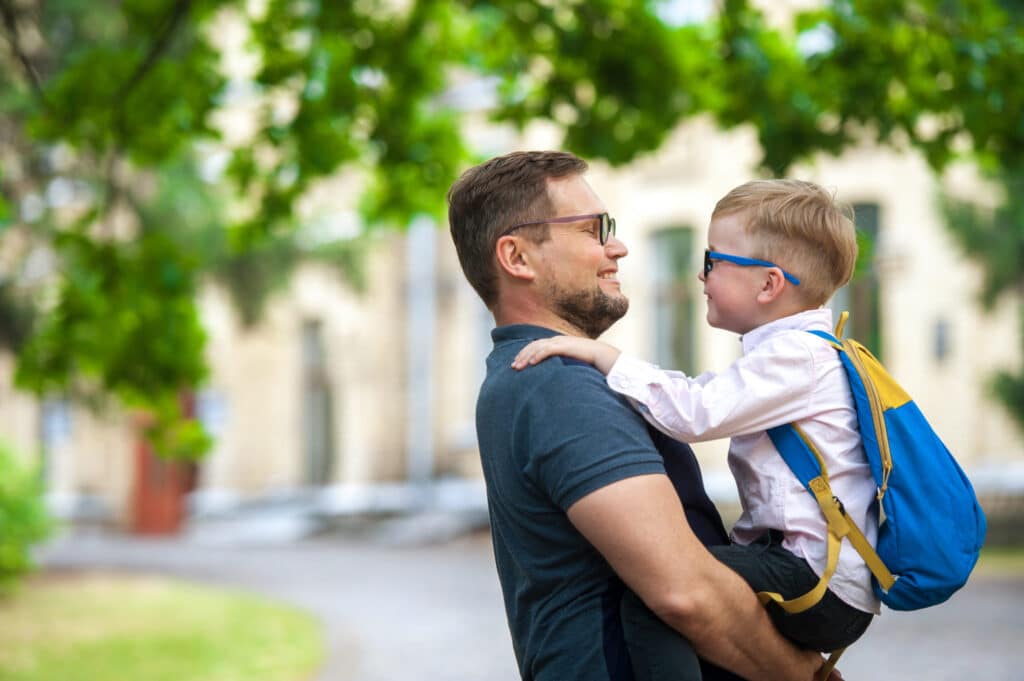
x: 24, y: 519
x: 112, y: 217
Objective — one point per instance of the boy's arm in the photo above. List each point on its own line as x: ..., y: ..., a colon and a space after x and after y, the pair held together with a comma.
x: 601, y: 355
x: 770, y: 386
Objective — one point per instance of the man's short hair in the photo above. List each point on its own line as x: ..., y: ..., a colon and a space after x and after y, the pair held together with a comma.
x: 490, y: 197
x: 800, y: 227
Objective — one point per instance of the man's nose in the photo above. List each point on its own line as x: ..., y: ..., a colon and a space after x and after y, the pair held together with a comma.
x: 615, y: 248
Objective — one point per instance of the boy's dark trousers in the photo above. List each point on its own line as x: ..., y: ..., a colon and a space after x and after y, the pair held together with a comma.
x: 658, y: 653
x: 828, y: 625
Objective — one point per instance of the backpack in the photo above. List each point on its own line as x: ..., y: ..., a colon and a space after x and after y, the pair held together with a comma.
x: 931, y: 526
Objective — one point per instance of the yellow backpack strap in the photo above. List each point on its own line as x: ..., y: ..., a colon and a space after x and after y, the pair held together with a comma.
x: 841, y: 324
x: 871, y: 557
x: 856, y: 537
x: 830, y: 664
x: 866, y: 551
x: 839, y: 526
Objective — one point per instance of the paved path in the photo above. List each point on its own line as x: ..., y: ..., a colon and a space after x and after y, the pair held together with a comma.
x: 434, y: 612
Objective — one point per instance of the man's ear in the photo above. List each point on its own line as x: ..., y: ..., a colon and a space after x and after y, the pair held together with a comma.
x: 772, y: 286
x: 513, y: 259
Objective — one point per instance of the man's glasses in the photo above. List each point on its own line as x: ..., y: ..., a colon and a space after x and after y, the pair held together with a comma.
x: 711, y: 256
x: 606, y: 229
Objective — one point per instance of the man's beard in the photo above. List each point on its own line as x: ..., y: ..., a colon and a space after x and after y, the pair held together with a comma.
x: 592, y: 311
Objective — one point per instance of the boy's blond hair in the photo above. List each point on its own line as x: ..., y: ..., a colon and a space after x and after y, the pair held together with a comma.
x: 800, y: 227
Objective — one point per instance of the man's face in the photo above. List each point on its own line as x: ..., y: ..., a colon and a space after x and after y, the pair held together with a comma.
x: 577, y: 275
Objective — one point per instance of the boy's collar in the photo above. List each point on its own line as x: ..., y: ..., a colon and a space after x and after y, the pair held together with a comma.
x: 820, y: 319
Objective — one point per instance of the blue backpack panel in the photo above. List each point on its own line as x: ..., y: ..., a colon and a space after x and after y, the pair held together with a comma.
x: 931, y: 526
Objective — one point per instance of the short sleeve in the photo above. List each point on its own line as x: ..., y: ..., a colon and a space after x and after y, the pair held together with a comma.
x: 580, y: 436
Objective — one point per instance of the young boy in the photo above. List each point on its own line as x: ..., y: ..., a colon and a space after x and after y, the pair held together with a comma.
x: 777, y: 251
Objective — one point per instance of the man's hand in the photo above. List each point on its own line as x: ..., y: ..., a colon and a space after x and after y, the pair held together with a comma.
x: 601, y: 355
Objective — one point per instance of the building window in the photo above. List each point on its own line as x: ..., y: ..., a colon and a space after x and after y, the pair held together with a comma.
x: 318, y: 406
x: 862, y: 296
x: 674, y: 288
x: 943, y: 340
x: 57, y: 428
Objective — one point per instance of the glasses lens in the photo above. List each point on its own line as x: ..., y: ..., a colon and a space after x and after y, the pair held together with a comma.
x: 607, y: 228
x: 708, y: 263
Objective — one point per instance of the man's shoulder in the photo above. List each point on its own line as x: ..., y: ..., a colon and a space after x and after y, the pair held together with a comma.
x: 554, y: 368
x: 561, y: 425
x: 557, y: 382
x: 568, y: 369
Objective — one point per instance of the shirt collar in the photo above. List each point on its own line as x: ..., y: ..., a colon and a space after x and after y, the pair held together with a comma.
x: 519, y: 332
x: 819, y: 320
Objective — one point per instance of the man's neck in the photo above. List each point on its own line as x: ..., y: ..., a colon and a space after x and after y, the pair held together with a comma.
x: 504, y: 315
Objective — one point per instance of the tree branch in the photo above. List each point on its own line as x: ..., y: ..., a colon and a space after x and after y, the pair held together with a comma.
x: 170, y: 26
x: 10, y: 19
x: 177, y: 15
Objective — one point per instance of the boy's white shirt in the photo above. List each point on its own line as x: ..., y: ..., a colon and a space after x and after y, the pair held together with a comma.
x: 785, y: 375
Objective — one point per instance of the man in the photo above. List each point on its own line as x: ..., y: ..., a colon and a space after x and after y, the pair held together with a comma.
x: 583, y: 511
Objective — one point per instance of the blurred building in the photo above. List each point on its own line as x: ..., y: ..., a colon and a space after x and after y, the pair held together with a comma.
x: 356, y: 402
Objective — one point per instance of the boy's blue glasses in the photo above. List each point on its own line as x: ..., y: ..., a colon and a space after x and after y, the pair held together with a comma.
x: 711, y: 256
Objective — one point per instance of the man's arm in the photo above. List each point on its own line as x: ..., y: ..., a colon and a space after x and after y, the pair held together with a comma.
x: 638, y: 525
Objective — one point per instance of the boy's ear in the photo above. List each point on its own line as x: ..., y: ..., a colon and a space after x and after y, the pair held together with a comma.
x: 772, y: 286
x: 513, y: 259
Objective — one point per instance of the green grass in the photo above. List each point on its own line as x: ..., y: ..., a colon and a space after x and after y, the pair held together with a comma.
x: 116, y: 627
x: 1002, y: 560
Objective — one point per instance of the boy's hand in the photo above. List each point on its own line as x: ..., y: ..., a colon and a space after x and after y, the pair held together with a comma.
x: 601, y: 355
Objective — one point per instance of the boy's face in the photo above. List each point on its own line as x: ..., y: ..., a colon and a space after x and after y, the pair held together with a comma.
x: 732, y: 289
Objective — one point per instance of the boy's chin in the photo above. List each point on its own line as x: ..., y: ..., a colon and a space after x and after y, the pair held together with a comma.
x: 713, y: 320
x: 716, y: 323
